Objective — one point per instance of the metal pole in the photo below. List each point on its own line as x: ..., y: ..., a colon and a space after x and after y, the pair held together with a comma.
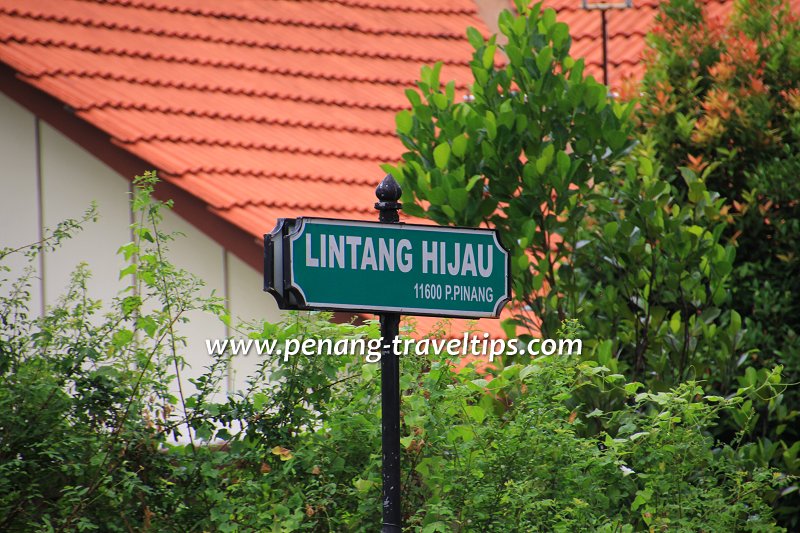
x: 605, y: 46
x: 388, y: 193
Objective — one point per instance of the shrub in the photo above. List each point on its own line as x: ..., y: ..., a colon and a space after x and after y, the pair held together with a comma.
x: 520, y: 155
x: 722, y: 97
x: 92, y: 439
x: 638, y: 246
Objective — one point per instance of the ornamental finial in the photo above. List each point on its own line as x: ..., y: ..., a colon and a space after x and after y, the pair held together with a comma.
x: 388, y: 190
x: 388, y: 193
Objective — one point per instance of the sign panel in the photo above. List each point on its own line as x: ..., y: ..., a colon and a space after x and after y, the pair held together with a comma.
x: 411, y: 269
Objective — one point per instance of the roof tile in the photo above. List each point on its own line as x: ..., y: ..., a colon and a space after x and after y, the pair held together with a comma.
x: 355, y: 195
x: 335, y: 142
x: 269, y: 108
x: 71, y: 14
x: 180, y: 158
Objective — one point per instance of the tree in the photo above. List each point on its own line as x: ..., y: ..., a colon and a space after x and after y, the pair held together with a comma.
x: 521, y: 153
x: 722, y: 97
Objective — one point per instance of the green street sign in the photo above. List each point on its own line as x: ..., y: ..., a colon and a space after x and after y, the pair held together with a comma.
x: 411, y: 269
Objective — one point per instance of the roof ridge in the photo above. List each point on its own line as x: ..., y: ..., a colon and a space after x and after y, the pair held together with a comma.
x: 216, y: 63
x: 203, y: 12
x: 238, y: 117
x: 231, y: 41
x: 154, y: 82
x: 251, y: 145
x: 365, y: 4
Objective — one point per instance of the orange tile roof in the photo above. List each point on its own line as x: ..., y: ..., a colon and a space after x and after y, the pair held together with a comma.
x: 250, y: 106
x: 265, y: 109
x: 260, y: 109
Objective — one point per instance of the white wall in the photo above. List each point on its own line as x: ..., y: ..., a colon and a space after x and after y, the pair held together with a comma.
x: 248, y: 303
x: 71, y: 179
x: 46, y: 178
x: 19, y: 213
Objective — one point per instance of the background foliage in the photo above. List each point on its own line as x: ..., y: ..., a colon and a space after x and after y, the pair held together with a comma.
x: 677, y: 255
x: 522, y: 154
x: 723, y: 98
x: 94, y: 436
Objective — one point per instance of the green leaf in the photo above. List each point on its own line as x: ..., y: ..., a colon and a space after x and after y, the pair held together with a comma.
x: 130, y: 304
x: 460, y: 145
x: 631, y: 388
x: 544, y: 59
x: 610, y: 230
x: 458, y: 199
x: 413, y: 97
x: 425, y: 76
x: 541, y: 165
x: 413, y: 209
x: 645, y: 166
x: 675, y: 322
x: 560, y: 34
x: 437, y: 196
x: 616, y: 139
x: 547, y: 154
x: 145, y: 234
x: 509, y: 326
x: 751, y: 376
x: 548, y: 18
x: 474, y: 37
x: 129, y: 270
x: 736, y: 322
x: 697, y: 190
x: 148, y: 325
x: 642, y: 497
x: 434, y: 80
x: 436, y: 527
x: 462, y: 432
x: 488, y: 56
x: 259, y: 401
x: 122, y: 337
x: 476, y: 413
x: 563, y: 163
x: 472, y: 181
x: 363, y: 485
x: 491, y: 125
x: 404, y: 120
x: 441, y: 155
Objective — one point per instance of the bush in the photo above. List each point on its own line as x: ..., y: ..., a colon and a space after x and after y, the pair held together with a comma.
x: 723, y: 98
x: 93, y: 440
x: 521, y: 154
x: 636, y: 243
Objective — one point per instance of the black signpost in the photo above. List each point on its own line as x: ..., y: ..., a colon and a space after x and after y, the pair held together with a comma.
x: 425, y: 270
x: 388, y: 205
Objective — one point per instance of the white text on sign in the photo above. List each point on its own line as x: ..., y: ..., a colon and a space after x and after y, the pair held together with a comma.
x: 365, y: 253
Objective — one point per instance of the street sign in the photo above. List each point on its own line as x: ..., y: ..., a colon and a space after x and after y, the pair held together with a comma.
x: 411, y: 269
x: 391, y: 269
